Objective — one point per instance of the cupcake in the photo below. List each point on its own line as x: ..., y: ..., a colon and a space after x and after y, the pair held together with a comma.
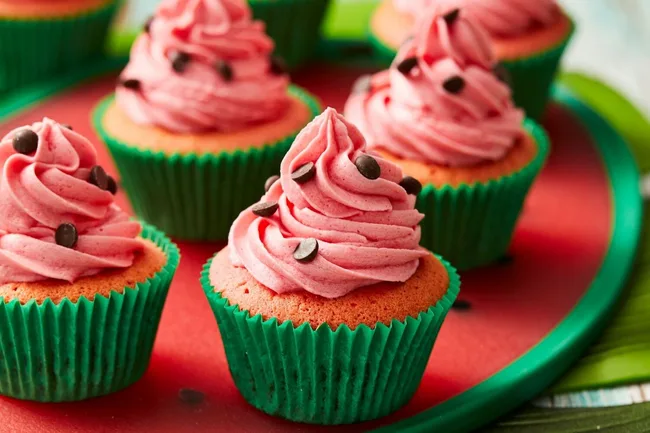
x: 443, y: 114
x: 294, y: 25
x: 50, y: 37
x: 202, y: 115
x: 82, y: 285
x: 327, y: 307
x: 528, y: 37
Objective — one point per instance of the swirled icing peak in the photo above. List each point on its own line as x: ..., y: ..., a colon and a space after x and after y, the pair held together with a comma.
x: 334, y: 229
x: 498, y: 17
x: 50, y: 178
x: 441, y: 101
x: 203, y: 65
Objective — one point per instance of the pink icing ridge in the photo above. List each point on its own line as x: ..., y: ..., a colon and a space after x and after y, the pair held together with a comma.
x: 39, y: 192
x: 199, y: 99
x: 498, y: 17
x: 367, y: 230
x: 414, y: 117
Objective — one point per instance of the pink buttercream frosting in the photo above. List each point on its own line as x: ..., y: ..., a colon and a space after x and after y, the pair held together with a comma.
x: 200, y: 98
x: 412, y: 115
x: 367, y: 230
x: 498, y: 17
x: 39, y: 192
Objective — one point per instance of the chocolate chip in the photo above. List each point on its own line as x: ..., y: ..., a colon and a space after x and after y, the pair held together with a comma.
x: 270, y: 181
x: 278, y: 65
x: 224, y: 70
x: 130, y: 83
x: 147, y: 24
x: 112, y: 185
x: 98, y: 177
x: 66, y: 235
x: 451, y: 16
x: 368, y: 167
x: 502, y: 74
x: 406, y: 65
x: 305, y: 173
x: 306, y: 251
x: 265, y: 209
x: 25, y: 141
x: 411, y: 185
x: 454, y: 85
x: 461, y: 305
x: 66, y: 126
x: 190, y: 396
x: 363, y: 84
x: 179, y: 60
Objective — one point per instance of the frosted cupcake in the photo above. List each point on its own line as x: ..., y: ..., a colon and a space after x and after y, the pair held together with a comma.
x: 327, y: 307
x: 443, y: 114
x: 82, y: 285
x: 202, y: 116
x: 528, y: 37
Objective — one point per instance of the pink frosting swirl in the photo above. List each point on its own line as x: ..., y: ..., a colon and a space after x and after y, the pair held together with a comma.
x: 227, y: 82
x: 367, y: 230
x: 39, y: 192
x: 498, y: 17
x: 414, y: 115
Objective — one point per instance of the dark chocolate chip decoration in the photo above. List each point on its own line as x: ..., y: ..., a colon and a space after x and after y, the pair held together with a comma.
x: 461, y: 305
x: 179, y: 60
x: 454, y: 85
x: 305, y: 173
x: 191, y: 396
x: 407, y: 65
x: 224, y: 69
x: 112, y: 185
x: 368, y: 167
x: 25, y: 141
x: 363, y: 84
x: 278, y: 66
x: 66, y: 126
x: 411, y: 185
x: 306, y: 251
x: 66, y: 235
x: 147, y: 24
x: 98, y: 177
x: 502, y: 74
x: 130, y: 83
x: 270, y: 181
x: 265, y: 209
x: 451, y: 16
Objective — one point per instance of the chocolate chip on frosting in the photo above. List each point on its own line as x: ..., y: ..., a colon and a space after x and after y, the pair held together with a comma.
x: 306, y: 251
x: 451, y: 16
x: 67, y: 126
x: 363, y: 84
x: 25, y: 141
x: 98, y: 177
x: 407, y: 65
x: 368, y: 167
x: 265, y: 209
x: 270, y: 181
x: 112, y: 185
x: 454, y: 85
x: 224, y: 69
x: 411, y: 185
x: 179, y: 60
x: 129, y: 83
x: 278, y: 66
x: 304, y: 173
x: 66, y: 235
x: 147, y: 24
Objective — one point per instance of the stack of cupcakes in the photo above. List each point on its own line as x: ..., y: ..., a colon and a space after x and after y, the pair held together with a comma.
x: 443, y: 112
x: 203, y: 114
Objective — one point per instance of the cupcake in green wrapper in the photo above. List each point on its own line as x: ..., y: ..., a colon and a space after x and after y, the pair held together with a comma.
x: 294, y: 25
x: 201, y: 118
x: 49, y: 38
x: 443, y: 114
x: 327, y: 307
x: 529, y: 38
x: 82, y: 285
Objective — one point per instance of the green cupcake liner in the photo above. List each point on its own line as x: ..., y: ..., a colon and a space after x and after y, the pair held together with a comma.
x: 77, y: 350
x: 323, y: 376
x: 40, y: 48
x: 294, y: 25
x: 472, y: 225
x: 531, y: 78
x: 195, y: 197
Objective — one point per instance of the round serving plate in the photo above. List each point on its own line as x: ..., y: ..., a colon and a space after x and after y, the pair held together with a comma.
x: 523, y: 321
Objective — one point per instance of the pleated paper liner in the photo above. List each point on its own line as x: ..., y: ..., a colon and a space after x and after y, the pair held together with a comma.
x: 323, y: 376
x: 195, y: 197
x: 294, y: 25
x: 472, y: 225
x: 36, y: 49
x: 77, y: 350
